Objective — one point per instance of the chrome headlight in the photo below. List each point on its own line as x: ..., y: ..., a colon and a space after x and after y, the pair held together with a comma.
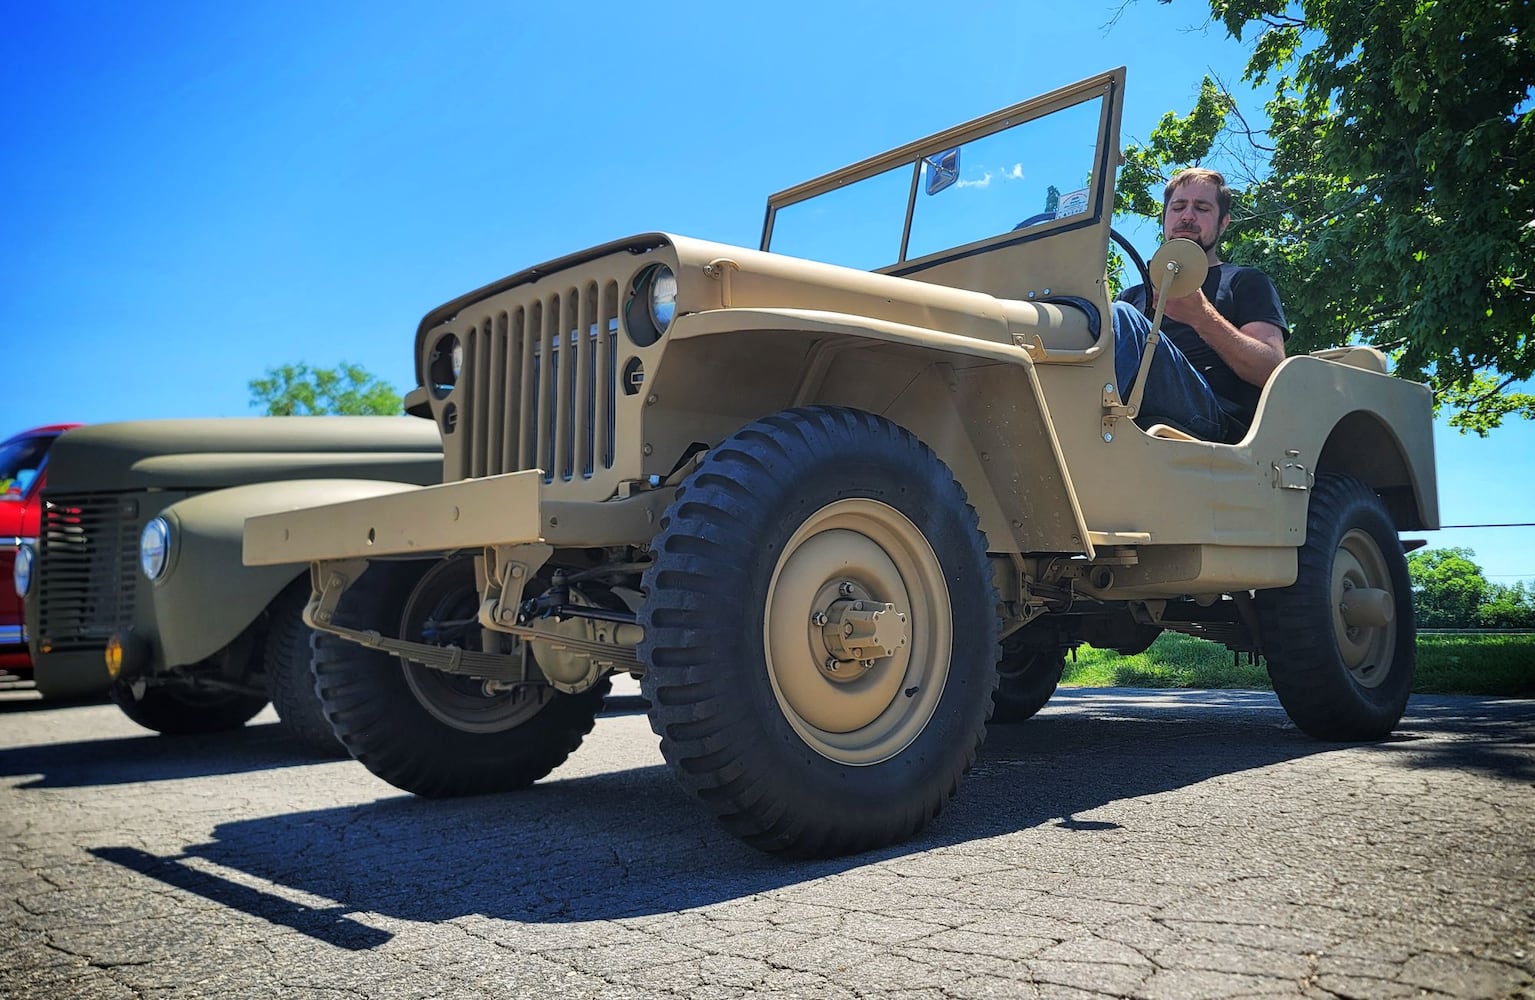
x: 154, y: 548
x: 652, y: 304
x: 21, y: 571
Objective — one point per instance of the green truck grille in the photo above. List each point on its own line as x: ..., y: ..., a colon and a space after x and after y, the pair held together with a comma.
x: 88, y: 553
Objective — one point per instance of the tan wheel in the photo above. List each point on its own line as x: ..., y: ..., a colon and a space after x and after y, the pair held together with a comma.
x: 857, y: 709
x: 1365, y: 610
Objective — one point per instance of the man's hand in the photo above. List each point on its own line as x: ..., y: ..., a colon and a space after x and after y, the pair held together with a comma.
x: 1253, y: 351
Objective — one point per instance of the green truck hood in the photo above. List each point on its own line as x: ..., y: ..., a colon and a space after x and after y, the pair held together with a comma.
x: 233, y: 451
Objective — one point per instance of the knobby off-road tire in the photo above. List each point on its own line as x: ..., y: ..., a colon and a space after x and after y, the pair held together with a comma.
x: 1030, y: 673
x: 1339, y: 681
x: 180, y: 709
x: 286, y: 657
x: 782, y: 520
x: 424, y: 731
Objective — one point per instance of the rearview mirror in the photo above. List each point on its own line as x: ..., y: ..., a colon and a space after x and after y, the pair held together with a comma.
x: 942, y: 169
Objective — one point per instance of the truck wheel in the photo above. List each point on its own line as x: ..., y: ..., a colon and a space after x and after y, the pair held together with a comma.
x: 286, y: 655
x: 1340, y: 640
x: 181, y: 710
x: 772, y: 560
x: 1029, y: 676
x: 427, y: 732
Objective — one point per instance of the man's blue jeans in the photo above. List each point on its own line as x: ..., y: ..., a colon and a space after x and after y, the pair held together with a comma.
x: 1176, y: 393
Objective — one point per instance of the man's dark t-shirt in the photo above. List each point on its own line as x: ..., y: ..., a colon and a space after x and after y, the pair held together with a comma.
x: 1242, y: 295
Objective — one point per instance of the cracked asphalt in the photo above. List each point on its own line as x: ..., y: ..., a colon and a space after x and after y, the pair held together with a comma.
x: 1122, y: 843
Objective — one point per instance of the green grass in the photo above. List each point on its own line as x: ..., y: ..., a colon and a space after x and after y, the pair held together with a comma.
x: 1447, y: 664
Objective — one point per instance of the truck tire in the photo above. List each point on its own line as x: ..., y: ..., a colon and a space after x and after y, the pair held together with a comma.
x: 793, y: 750
x: 424, y: 731
x: 182, y: 710
x: 286, y: 656
x: 1343, y: 669
x: 1030, y: 674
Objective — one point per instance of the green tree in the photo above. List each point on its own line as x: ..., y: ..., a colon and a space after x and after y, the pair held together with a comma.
x: 1392, y: 193
x: 1507, y: 607
x: 296, y: 390
x: 1447, y: 587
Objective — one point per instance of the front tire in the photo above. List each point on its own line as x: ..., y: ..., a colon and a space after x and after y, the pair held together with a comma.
x: 1340, y: 641
x: 796, y: 742
x: 183, y: 710
x: 424, y: 731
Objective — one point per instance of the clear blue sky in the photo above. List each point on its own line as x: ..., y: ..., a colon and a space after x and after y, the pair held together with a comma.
x: 191, y: 193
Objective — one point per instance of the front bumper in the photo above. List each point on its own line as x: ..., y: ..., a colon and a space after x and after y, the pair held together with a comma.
x: 509, y: 509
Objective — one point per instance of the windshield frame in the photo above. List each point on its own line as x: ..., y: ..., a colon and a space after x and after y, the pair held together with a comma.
x: 1109, y: 86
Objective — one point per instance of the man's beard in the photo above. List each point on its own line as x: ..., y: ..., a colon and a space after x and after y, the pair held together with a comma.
x: 1194, y: 235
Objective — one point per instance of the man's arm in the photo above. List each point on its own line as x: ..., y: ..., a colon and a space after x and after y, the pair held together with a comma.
x: 1252, y: 351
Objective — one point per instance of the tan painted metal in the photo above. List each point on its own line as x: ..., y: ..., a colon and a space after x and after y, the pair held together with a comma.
x: 868, y: 553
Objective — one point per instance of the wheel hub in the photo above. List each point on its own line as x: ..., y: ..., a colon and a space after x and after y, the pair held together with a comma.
x: 857, y: 633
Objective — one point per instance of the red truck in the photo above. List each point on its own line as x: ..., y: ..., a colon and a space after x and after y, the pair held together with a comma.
x: 23, y: 468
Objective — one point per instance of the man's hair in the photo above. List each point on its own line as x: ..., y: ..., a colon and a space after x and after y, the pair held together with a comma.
x: 1182, y: 177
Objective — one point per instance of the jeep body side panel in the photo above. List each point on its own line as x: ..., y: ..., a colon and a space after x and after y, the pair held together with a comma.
x: 1221, y: 506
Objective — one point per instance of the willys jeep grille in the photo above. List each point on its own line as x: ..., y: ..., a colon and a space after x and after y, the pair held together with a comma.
x: 541, y: 385
x: 88, y: 550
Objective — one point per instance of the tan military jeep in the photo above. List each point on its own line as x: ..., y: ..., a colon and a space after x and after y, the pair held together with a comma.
x: 820, y: 497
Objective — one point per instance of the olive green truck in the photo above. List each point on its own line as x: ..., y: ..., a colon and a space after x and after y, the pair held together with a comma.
x: 136, y: 586
x: 837, y: 499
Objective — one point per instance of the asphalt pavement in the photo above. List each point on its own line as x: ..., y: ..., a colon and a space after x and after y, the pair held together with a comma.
x: 1122, y: 843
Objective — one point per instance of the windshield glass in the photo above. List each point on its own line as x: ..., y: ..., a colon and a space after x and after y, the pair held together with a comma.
x: 19, y: 464
x: 1021, y: 175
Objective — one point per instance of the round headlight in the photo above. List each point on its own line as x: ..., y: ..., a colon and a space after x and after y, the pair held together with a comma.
x: 456, y: 359
x: 663, y: 297
x: 21, y: 571
x: 651, y: 305
x: 154, y: 547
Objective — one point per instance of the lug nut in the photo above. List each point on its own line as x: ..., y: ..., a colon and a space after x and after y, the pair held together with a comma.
x: 831, y: 664
x: 846, y: 590
x: 819, y: 618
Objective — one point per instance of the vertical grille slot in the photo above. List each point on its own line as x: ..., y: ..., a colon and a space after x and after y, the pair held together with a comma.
x: 541, y: 385
x: 88, y: 549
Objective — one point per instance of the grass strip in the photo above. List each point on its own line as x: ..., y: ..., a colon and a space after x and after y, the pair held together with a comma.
x: 1500, y: 665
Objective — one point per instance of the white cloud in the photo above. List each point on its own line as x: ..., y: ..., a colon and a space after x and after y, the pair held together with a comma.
x: 1015, y: 174
x: 983, y: 182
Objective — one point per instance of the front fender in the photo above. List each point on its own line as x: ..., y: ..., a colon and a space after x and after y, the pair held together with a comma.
x: 206, y: 596
x: 977, y: 403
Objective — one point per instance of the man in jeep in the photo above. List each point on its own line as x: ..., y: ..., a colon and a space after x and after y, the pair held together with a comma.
x: 1220, y: 344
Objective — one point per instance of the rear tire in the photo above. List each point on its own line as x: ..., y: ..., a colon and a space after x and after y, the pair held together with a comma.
x: 424, y: 731
x: 1029, y: 674
x: 1338, y: 676
x: 290, y: 676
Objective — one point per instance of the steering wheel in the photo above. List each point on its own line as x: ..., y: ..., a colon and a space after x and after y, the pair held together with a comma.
x: 1135, y: 258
